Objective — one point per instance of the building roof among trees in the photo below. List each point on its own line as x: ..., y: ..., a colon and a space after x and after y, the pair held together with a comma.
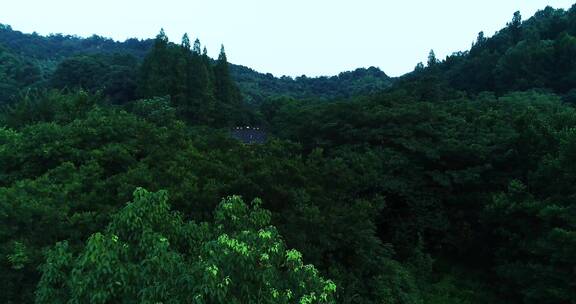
x: 249, y: 135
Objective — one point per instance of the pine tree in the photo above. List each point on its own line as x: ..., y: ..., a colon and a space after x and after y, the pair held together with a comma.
x: 227, y: 94
x: 155, y: 71
x: 432, y: 61
x: 200, y: 102
x: 203, y: 93
x: 224, y: 85
x: 480, y: 40
x: 161, y: 38
x: 186, y: 41
x: 515, y: 27
x: 196, y: 48
x: 222, y: 56
x: 207, y: 61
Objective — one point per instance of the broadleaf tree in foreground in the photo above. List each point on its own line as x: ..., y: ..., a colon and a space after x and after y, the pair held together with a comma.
x: 149, y: 254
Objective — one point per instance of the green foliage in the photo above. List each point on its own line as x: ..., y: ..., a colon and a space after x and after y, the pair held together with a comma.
x: 438, y: 164
x: 257, y: 88
x: 59, y: 52
x: 535, y: 53
x: 66, y: 177
x: 149, y: 254
x: 19, y: 258
x: 16, y: 73
x: 230, y: 105
x: 201, y: 92
x: 536, y: 249
x: 55, y: 47
x: 448, y: 187
x: 48, y: 106
x: 113, y: 75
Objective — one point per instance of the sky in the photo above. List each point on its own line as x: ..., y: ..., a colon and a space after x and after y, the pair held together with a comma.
x: 296, y: 37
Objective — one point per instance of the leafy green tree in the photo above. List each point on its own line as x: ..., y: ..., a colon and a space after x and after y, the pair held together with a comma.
x: 537, y: 243
x: 149, y: 254
x: 112, y: 75
x: 16, y: 73
x: 564, y: 74
x: 526, y: 65
x: 48, y: 106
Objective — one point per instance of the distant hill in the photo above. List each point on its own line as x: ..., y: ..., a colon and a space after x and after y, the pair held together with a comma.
x: 57, y: 46
x: 30, y: 60
x: 258, y: 86
x: 45, y: 52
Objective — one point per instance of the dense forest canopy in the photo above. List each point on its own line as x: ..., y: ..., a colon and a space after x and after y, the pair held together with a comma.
x: 120, y: 181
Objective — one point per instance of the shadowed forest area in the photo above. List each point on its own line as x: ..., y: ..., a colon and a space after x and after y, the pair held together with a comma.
x: 122, y: 179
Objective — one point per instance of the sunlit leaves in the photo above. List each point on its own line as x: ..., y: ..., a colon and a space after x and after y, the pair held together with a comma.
x: 149, y: 254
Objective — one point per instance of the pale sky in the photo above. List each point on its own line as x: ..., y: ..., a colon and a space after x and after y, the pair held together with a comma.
x: 312, y: 37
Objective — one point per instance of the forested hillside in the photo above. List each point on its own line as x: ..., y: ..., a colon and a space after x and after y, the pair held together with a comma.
x: 120, y: 182
x: 88, y: 55
x: 258, y: 88
x: 538, y: 53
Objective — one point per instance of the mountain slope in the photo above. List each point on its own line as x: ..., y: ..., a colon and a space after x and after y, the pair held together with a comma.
x: 539, y: 53
x: 48, y: 51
